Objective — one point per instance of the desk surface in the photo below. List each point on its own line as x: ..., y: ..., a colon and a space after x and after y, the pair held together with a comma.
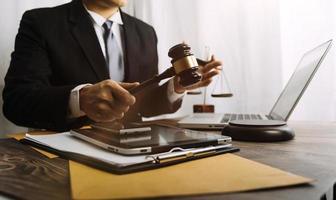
x: 312, y: 154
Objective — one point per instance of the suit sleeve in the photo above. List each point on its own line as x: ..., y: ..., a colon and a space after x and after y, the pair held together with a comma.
x: 156, y: 101
x: 29, y: 98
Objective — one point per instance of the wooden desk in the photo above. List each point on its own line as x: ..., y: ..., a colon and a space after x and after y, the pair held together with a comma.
x: 312, y: 154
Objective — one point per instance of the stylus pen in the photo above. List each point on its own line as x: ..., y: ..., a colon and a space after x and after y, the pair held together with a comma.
x: 182, y: 154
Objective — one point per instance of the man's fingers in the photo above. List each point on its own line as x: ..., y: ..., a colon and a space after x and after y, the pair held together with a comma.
x: 109, y: 111
x: 211, y: 65
x: 117, y: 125
x: 102, y: 120
x: 121, y: 94
x: 105, y: 111
x: 124, y: 98
x: 107, y: 100
x: 118, y: 106
x: 116, y: 114
x: 210, y: 74
x: 129, y: 86
x: 212, y: 57
x: 205, y: 83
x: 109, y: 114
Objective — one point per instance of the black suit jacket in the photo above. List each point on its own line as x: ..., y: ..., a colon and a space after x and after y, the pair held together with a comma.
x: 57, y: 49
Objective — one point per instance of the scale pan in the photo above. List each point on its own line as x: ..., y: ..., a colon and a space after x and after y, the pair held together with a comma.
x: 194, y: 92
x: 222, y: 95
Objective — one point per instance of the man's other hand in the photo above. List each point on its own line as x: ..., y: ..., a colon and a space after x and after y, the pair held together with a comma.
x: 107, y: 100
x: 211, y: 69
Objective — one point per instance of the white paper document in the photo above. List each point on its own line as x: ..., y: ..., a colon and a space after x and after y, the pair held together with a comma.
x: 67, y: 143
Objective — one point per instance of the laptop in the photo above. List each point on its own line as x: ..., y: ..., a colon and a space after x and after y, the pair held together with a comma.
x: 284, y: 105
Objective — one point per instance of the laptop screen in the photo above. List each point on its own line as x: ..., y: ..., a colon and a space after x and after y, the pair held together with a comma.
x: 299, y: 81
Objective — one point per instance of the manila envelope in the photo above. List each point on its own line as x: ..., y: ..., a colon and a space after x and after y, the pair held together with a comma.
x: 20, y: 136
x: 218, y: 174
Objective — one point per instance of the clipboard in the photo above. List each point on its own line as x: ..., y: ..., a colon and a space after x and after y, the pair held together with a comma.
x: 174, y: 156
x: 158, y: 140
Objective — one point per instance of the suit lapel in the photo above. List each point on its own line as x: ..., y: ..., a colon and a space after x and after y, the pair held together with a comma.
x: 131, y: 40
x: 85, y: 34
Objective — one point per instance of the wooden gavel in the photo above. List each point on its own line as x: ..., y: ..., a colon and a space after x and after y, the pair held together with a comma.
x: 185, y: 65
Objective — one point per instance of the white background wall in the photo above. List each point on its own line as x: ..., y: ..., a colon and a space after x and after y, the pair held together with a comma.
x: 259, y: 41
x: 303, y: 25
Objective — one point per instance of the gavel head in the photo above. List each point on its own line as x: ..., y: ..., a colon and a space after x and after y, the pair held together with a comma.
x: 185, y: 64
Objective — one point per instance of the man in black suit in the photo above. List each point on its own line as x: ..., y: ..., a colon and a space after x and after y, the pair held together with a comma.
x: 75, y: 63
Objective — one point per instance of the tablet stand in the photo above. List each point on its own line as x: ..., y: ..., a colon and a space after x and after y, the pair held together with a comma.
x: 258, y: 130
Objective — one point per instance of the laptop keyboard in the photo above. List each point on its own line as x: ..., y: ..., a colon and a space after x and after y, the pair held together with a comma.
x: 229, y: 117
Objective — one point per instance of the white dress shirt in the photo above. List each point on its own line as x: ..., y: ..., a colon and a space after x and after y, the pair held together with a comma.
x: 118, y: 31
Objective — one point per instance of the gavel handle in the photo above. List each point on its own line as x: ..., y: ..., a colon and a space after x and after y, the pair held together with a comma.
x: 156, y: 79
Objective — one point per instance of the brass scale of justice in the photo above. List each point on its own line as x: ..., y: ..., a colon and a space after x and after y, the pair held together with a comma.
x: 218, y: 91
x: 186, y: 66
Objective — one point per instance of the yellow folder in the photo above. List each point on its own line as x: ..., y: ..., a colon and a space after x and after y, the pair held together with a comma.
x: 20, y: 136
x: 217, y: 174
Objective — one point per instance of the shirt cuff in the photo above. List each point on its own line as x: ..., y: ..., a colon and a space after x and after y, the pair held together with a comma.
x: 172, y: 95
x: 74, y: 107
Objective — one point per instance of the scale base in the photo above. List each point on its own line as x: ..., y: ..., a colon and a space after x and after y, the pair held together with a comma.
x: 204, y: 108
x: 259, y: 130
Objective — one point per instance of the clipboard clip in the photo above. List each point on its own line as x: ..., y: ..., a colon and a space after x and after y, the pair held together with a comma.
x: 179, y: 153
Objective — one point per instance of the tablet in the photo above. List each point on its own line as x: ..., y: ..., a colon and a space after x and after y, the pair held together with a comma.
x: 121, y: 128
x: 159, y: 139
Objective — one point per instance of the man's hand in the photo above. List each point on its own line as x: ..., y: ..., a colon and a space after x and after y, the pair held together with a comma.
x: 211, y: 69
x: 107, y: 100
